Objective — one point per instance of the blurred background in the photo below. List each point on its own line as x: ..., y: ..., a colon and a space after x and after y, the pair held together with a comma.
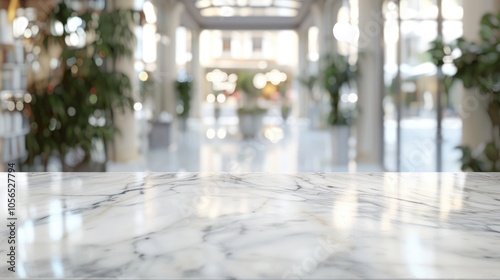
x: 250, y: 85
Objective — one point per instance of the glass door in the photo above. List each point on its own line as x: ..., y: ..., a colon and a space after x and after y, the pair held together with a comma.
x: 422, y: 128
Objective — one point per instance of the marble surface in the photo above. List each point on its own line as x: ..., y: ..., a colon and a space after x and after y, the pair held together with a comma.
x: 256, y: 226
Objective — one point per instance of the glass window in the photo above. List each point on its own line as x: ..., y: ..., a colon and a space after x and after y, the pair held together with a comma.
x: 417, y: 97
x: 257, y: 44
x: 249, y: 8
x: 226, y: 45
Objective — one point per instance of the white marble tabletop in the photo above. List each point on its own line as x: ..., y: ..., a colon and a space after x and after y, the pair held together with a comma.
x: 255, y: 226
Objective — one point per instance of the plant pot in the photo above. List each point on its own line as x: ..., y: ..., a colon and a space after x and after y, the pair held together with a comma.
x: 160, y: 137
x: 285, y: 112
x: 217, y: 114
x: 315, y: 115
x: 86, y: 166
x: 340, y: 144
x: 250, y: 124
x: 182, y: 124
x: 76, y: 160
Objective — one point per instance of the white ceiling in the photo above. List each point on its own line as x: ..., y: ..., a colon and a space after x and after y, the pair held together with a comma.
x: 248, y: 14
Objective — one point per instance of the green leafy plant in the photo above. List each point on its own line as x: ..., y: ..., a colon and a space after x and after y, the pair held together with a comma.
x: 75, y: 106
x: 251, y: 111
x: 286, y: 109
x: 478, y: 67
x: 245, y: 84
x: 309, y: 82
x: 338, y: 74
x: 184, y: 93
x: 251, y: 94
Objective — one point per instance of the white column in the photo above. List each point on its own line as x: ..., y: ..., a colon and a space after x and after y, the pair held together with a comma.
x: 476, y: 123
x: 126, y: 143
x: 318, y: 67
x: 371, y: 86
x: 303, y: 71
x: 331, y: 10
x: 326, y: 14
x: 319, y: 21
x: 196, y: 72
x: 169, y: 16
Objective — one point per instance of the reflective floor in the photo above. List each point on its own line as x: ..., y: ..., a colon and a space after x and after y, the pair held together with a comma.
x: 287, y: 147
x: 281, y: 148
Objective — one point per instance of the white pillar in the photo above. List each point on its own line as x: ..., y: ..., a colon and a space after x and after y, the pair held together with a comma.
x: 320, y: 22
x: 196, y: 72
x: 476, y: 123
x: 303, y: 71
x: 126, y: 143
x: 325, y: 15
x: 169, y: 16
x: 370, y: 123
x: 331, y: 11
x: 318, y: 67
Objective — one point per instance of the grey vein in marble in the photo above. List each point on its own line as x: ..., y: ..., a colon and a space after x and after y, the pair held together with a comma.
x: 256, y: 226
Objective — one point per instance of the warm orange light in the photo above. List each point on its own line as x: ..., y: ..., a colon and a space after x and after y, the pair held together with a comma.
x: 269, y: 90
x: 13, y: 5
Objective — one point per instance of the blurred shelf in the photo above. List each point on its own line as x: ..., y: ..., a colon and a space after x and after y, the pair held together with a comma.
x: 13, y: 73
x: 14, y: 92
x: 12, y: 66
x: 7, y: 46
x: 19, y: 158
x: 23, y: 132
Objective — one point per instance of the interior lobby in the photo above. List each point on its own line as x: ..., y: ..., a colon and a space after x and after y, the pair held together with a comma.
x: 250, y: 139
x: 400, y: 116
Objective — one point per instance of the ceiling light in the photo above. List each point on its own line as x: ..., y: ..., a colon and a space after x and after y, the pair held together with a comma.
x: 287, y: 4
x: 242, y: 2
x: 227, y: 11
x: 220, y: 3
x: 201, y: 4
x: 281, y: 12
x: 248, y: 8
x: 210, y: 12
x: 149, y: 12
x: 261, y: 3
x: 345, y: 32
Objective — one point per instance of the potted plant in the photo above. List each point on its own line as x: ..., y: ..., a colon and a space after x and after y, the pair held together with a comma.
x: 184, y: 86
x: 72, y: 111
x: 250, y: 114
x: 478, y: 67
x: 338, y: 75
x: 217, y: 106
x: 147, y: 89
x: 286, y: 107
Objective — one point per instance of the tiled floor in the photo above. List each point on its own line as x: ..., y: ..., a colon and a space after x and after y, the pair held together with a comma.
x: 211, y: 147
x: 220, y: 148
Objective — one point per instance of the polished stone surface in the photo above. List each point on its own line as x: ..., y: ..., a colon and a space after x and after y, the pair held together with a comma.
x: 292, y: 147
x: 256, y: 226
